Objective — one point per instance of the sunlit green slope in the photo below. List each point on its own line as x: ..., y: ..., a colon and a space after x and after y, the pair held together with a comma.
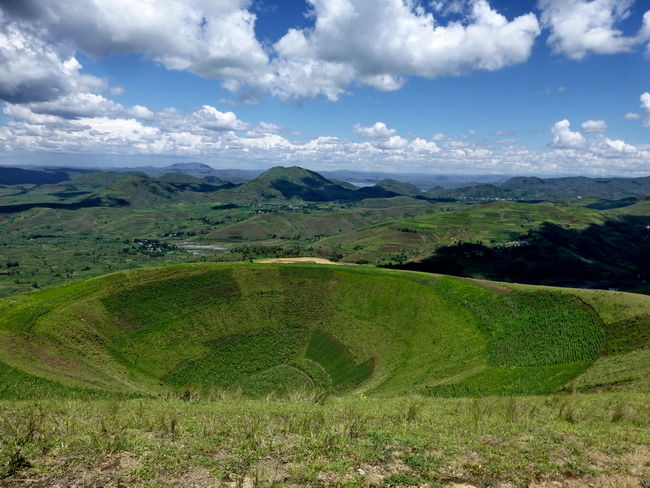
x: 280, y: 328
x: 494, y: 223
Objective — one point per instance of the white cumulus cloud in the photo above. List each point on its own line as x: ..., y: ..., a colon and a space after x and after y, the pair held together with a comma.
x: 379, y: 43
x: 38, y: 41
x: 34, y: 69
x: 173, y: 133
x: 594, y: 127
x: 645, y: 104
x: 620, y: 146
x: 563, y: 138
x: 117, y: 91
x: 264, y: 129
x: 581, y: 27
x: 210, y: 118
x: 392, y: 143
x: 213, y: 39
x: 22, y: 113
x: 141, y: 112
x: 644, y: 34
x: 77, y: 105
x: 377, y: 131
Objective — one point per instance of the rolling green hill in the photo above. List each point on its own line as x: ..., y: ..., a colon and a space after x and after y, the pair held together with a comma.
x: 101, y: 178
x: 576, y: 186
x: 138, y: 190
x: 399, y: 187
x: 286, y: 184
x: 191, y: 183
x: 533, y: 188
x: 295, y: 185
x: 494, y: 224
x: 280, y: 328
x: 38, y: 176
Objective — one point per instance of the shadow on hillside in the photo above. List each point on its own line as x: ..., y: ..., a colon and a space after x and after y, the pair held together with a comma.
x: 226, y: 206
x: 615, y: 254
x: 327, y: 193
x: 18, y: 176
x: 71, y: 193
x: 610, y: 204
x: 88, y: 203
x: 202, y: 188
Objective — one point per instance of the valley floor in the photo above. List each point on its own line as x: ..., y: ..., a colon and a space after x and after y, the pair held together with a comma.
x: 546, y: 441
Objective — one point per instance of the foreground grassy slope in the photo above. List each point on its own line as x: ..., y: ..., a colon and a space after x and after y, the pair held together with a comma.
x: 279, y: 328
x: 543, y: 441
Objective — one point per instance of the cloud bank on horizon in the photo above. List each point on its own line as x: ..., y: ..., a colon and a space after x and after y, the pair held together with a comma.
x: 343, y: 58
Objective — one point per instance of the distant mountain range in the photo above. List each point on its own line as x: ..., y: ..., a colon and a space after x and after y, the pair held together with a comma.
x: 43, y: 175
x: 40, y: 176
x: 532, y: 188
x: 297, y: 183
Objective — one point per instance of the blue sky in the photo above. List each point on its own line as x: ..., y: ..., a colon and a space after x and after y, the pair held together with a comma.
x: 544, y: 87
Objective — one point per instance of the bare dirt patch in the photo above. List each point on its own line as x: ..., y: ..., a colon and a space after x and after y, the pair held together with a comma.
x: 303, y: 260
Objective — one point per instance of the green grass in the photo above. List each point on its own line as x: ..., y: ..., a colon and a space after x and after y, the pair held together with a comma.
x: 511, y: 380
x: 234, y: 359
x: 329, y: 353
x: 156, y: 303
x: 530, y: 329
x: 279, y: 380
x: 622, y: 372
x: 335, y: 359
x: 321, y: 380
x: 628, y: 335
x: 314, y: 327
x: 18, y: 385
x: 577, y: 440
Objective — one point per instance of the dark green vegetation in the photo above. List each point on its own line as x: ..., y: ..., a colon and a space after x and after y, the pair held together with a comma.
x: 551, y: 243
x: 274, y: 329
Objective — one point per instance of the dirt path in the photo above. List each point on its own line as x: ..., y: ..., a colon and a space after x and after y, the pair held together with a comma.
x: 302, y: 260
